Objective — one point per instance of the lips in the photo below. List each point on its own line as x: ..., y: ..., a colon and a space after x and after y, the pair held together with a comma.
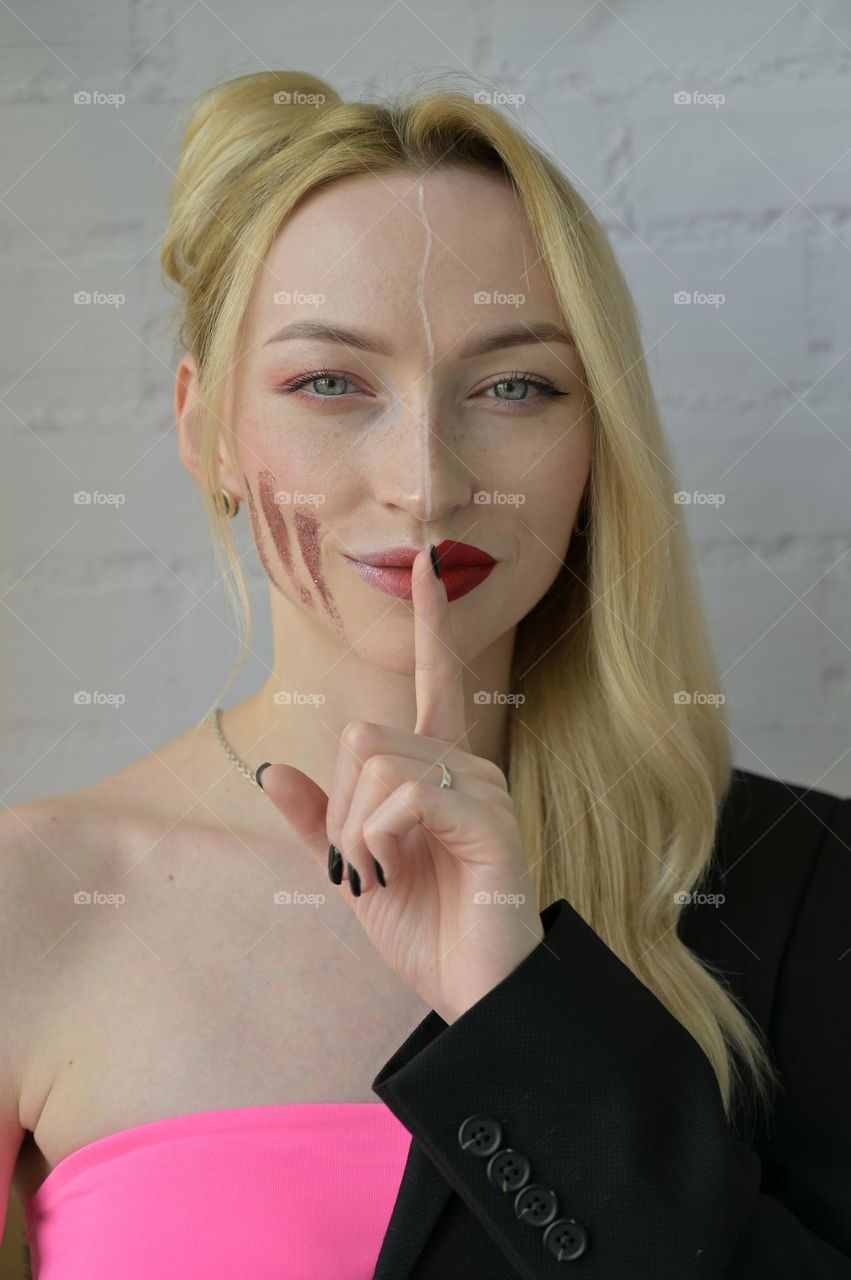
x: 462, y: 568
x: 450, y: 553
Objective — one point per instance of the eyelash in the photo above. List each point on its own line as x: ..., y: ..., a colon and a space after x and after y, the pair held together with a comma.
x: 544, y: 388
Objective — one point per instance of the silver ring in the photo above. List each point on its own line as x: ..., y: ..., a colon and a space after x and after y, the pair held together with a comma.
x: 446, y: 780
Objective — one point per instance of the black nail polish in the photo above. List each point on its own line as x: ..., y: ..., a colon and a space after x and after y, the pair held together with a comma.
x: 258, y: 772
x: 354, y: 880
x: 379, y: 871
x: 335, y: 864
x: 435, y: 562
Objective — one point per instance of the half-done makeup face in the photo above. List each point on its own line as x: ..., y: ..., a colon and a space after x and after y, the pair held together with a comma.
x: 405, y: 376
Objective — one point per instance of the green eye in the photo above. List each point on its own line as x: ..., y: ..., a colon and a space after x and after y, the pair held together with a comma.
x: 317, y: 376
x: 520, y: 382
x: 517, y: 384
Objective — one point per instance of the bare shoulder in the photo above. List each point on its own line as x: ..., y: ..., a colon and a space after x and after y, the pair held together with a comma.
x: 54, y: 851
x: 48, y: 848
x: 40, y: 843
x: 96, y: 840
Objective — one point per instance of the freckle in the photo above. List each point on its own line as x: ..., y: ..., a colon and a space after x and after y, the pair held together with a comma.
x: 258, y: 532
x: 280, y: 535
x: 307, y: 530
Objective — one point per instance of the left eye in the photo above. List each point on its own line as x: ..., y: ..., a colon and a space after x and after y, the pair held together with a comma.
x: 520, y: 382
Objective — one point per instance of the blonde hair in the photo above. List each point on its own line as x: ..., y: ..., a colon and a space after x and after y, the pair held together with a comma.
x: 617, y: 781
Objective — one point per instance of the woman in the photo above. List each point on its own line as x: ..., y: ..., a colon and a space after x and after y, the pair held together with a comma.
x: 519, y: 894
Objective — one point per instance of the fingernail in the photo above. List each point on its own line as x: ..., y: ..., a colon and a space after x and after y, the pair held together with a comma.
x: 435, y: 562
x: 379, y: 871
x: 354, y: 880
x: 257, y: 777
x: 335, y: 864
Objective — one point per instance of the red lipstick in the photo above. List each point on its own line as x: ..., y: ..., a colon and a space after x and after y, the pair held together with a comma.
x: 462, y: 568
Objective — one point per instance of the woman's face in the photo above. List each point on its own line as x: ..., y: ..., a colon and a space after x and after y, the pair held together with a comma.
x: 426, y: 418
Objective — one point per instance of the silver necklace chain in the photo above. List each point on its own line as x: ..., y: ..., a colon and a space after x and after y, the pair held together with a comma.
x: 223, y: 743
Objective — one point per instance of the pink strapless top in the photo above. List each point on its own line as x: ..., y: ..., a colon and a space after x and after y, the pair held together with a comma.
x: 290, y: 1191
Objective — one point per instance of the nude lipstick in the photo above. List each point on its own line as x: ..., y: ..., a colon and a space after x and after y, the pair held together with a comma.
x: 462, y: 568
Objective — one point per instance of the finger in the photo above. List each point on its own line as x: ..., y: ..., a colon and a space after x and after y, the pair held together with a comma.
x: 380, y: 777
x: 456, y: 820
x: 302, y: 802
x: 361, y: 740
x: 438, y: 672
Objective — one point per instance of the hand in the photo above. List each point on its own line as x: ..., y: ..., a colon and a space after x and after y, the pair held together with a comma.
x: 458, y: 912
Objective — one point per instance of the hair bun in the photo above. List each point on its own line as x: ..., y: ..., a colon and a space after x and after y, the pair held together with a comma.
x: 230, y: 127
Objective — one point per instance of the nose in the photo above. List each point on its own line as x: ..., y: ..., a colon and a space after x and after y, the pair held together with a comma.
x: 421, y: 468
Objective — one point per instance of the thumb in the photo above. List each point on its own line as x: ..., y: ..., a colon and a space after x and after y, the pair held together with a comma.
x: 301, y: 801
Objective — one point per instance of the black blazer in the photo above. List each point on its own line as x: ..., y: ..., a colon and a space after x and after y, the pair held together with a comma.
x: 611, y: 1110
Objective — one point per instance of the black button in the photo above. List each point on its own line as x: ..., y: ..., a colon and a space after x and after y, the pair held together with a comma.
x: 536, y: 1204
x: 566, y: 1239
x: 480, y: 1135
x: 509, y: 1170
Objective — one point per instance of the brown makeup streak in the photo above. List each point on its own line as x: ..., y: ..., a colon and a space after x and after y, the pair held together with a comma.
x: 307, y: 531
x: 280, y: 534
x: 258, y: 532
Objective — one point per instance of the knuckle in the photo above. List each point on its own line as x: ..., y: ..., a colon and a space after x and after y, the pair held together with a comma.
x: 357, y: 736
x: 384, y: 770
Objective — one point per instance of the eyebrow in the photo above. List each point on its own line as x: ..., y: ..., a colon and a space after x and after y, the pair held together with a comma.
x: 514, y: 336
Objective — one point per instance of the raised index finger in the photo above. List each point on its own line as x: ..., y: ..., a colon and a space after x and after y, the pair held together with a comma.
x: 439, y: 671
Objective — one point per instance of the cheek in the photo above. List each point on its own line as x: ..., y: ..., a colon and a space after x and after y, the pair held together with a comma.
x: 295, y: 534
x: 553, y: 491
x: 270, y: 525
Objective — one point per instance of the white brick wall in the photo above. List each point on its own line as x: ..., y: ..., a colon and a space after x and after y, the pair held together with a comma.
x: 696, y: 197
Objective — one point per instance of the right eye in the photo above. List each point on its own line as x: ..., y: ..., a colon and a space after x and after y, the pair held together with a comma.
x: 318, y: 376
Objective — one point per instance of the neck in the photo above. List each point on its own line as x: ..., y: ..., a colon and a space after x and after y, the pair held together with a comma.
x: 318, y: 685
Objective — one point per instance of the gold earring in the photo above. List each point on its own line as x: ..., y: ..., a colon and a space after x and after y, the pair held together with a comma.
x: 228, y: 503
